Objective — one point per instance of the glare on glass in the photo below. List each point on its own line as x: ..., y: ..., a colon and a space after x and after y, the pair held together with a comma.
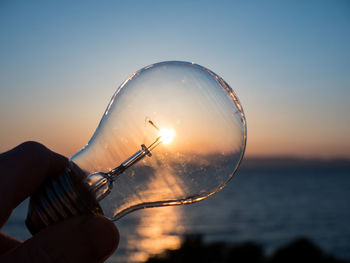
x: 173, y: 133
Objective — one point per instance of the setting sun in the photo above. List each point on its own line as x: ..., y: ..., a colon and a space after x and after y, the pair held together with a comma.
x: 166, y: 135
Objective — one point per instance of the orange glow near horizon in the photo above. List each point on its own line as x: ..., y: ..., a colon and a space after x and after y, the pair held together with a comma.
x: 68, y: 134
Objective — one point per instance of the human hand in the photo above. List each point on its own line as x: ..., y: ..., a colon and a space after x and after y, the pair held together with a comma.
x: 80, y: 239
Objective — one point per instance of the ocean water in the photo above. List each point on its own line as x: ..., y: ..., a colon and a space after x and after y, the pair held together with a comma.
x: 270, y: 202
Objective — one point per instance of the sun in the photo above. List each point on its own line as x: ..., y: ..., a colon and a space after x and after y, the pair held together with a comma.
x: 166, y: 135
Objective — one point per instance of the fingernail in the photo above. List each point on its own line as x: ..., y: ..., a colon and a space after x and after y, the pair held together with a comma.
x: 102, y: 235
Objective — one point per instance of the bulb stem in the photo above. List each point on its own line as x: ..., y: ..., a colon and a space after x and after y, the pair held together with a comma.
x: 136, y: 157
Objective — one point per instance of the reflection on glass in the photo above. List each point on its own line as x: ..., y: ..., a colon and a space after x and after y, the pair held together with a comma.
x: 173, y: 133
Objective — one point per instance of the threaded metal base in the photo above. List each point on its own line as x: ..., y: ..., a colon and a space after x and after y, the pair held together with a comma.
x: 60, y: 198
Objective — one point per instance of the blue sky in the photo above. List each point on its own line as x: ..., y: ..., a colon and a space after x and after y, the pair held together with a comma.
x: 288, y: 61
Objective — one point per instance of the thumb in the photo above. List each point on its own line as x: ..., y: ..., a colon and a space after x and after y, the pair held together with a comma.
x: 81, y: 239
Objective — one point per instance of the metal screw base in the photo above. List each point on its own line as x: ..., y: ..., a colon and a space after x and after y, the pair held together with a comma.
x: 60, y: 198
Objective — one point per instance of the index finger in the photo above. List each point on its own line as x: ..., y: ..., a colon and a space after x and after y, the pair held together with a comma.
x: 22, y: 171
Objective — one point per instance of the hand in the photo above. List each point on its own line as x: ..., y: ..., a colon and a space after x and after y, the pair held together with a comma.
x: 80, y: 239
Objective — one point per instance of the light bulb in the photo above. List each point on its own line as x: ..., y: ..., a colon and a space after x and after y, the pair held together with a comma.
x: 173, y: 133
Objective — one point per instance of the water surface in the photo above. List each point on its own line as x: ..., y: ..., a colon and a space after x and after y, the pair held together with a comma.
x: 268, y: 201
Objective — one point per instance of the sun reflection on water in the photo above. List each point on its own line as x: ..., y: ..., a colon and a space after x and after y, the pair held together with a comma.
x: 158, y: 229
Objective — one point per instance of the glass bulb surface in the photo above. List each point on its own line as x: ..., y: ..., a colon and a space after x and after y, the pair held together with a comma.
x: 178, y: 128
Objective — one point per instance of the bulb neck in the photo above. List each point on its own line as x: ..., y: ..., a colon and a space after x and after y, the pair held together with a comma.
x: 74, y: 192
x: 62, y: 197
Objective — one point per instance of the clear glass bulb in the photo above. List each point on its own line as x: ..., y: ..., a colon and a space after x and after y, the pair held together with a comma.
x: 173, y: 133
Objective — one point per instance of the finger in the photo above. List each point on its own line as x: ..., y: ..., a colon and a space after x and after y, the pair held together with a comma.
x: 80, y: 239
x: 7, y: 243
x: 23, y: 170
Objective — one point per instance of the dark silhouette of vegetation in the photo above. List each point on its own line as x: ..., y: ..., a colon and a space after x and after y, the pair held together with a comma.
x: 193, y: 249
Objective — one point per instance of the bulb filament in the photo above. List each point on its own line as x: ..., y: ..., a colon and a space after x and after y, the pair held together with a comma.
x: 165, y: 136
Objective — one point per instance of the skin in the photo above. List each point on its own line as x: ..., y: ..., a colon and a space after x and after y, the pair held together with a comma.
x: 79, y: 239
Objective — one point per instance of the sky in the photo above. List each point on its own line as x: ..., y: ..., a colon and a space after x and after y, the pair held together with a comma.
x: 288, y: 62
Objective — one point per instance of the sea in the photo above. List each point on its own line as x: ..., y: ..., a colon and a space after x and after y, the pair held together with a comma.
x: 270, y: 201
